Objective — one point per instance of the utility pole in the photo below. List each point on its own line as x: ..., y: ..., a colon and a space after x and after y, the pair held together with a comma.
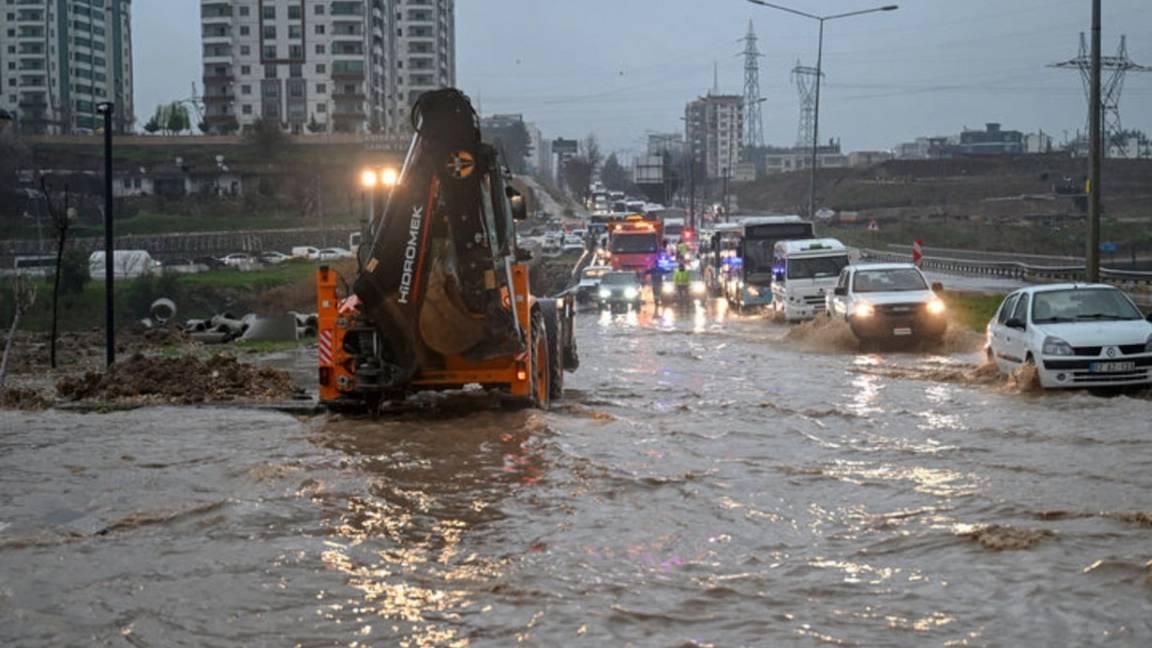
x: 1092, y: 259
x: 107, y: 109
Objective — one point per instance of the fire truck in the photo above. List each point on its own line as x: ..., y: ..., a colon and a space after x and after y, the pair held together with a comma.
x: 636, y: 243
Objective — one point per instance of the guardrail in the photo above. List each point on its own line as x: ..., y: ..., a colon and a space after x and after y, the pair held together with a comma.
x: 1013, y: 269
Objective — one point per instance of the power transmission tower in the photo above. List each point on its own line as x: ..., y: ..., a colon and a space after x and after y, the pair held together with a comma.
x: 1117, y: 68
x: 753, y: 120
x: 805, y: 79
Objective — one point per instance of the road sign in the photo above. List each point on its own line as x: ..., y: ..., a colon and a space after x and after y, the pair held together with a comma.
x: 561, y: 146
x: 917, y: 252
x: 873, y: 226
x: 1109, y: 248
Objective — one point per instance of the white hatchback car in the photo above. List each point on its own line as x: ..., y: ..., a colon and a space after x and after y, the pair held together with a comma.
x: 1076, y: 335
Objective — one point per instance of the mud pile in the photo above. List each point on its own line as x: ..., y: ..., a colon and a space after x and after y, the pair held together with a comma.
x: 20, y: 398
x: 182, y: 380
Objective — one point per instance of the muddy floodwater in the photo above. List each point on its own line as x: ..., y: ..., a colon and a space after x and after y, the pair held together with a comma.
x: 709, y: 480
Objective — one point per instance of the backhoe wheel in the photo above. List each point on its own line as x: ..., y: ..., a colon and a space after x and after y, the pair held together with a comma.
x: 554, y: 327
x: 541, y: 363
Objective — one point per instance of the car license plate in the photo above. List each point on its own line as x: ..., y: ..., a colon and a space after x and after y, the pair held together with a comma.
x: 1112, y: 367
x: 902, y: 331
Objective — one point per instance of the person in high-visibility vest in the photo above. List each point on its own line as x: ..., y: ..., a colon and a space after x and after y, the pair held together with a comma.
x: 683, y: 281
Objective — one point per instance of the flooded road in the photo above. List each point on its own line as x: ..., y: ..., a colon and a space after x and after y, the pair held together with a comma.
x: 710, y: 480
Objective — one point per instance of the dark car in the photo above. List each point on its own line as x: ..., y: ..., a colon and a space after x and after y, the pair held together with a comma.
x: 619, y: 290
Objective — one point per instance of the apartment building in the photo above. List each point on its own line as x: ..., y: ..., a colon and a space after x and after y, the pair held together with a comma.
x: 714, y: 129
x: 60, y: 59
x: 426, y: 54
x: 323, y: 65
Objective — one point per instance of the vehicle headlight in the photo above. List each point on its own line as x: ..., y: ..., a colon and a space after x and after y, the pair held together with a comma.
x: 753, y: 291
x: 1054, y: 346
x: 1148, y: 345
x: 864, y: 309
x: 630, y: 293
x: 605, y: 293
x: 936, y: 307
x: 667, y: 288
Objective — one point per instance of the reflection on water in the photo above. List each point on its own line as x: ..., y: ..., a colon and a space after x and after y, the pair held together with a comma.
x: 403, y: 540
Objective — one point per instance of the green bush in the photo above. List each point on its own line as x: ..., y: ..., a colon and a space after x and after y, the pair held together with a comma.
x: 74, y: 273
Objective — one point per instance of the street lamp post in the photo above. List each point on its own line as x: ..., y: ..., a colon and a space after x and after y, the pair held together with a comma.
x: 107, y: 109
x: 819, y: 78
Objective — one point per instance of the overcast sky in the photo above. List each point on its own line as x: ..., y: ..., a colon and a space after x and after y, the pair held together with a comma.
x: 621, y: 68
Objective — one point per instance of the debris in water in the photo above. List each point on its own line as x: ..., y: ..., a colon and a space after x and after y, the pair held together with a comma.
x: 1004, y: 538
x: 21, y: 398
x: 185, y: 379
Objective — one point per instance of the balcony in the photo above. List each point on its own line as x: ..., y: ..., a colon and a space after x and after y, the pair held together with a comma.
x: 33, y: 104
x: 227, y: 97
x: 349, y: 96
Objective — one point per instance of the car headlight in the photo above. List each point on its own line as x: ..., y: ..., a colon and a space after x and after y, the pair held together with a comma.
x: 1054, y: 346
x: 753, y: 291
x: 630, y: 293
x: 667, y: 288
x: 1148, y: 345
x: 698, y: 288
x: 605, y: 293
x: 936, y: 307
x: 863, y: 309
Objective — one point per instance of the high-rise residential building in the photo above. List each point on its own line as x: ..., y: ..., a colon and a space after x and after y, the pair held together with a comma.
x: 321, y: 65
x: 60, y: 59
x: 307, y: 65
x: 426, y: 49
x: 714, y: 129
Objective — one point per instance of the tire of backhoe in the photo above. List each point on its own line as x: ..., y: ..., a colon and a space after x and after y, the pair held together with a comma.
x: 555, y: 348
x: 539, y: 330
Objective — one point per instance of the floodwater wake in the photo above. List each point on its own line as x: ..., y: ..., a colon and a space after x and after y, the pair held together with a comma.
x: 827, y: 335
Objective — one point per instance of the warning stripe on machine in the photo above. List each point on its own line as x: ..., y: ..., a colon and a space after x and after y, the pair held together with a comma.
x: 325, y: 345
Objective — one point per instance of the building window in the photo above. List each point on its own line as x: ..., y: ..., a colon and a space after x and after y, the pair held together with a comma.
x: 322, y: 108
x: 320, y: 49
x: 294, y: 12
x: 247, y: 110
x: 245, y: 69
x: 269, y: 32
x: 245, y: 50
x: 243, y: 11
x: 244, y: 30
x: 268, y: 12
x: 246, y: 89
x: 321, y: 88
x: 270, y: 52
x: 320, y: 68
x: 320, y: 29
x: 319, y: 10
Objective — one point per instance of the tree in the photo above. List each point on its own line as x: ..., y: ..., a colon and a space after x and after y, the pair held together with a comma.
x: 266, y: 137
x: 152, y: 126
x: 12, y: 154
x: 614, y: 176
x: 177, y: 118
x: 579, y: 171
x: 315, y: 126
x: 512, y: 138
x: 229, y: 125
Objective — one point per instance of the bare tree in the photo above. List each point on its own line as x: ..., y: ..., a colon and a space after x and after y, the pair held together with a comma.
x: 62, y: 223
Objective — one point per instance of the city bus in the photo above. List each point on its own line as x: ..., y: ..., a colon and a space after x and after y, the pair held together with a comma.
x: 740, y: 256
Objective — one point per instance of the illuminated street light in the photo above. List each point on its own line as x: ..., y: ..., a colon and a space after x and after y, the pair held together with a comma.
x: 389, y: 177
x: 369, y: 178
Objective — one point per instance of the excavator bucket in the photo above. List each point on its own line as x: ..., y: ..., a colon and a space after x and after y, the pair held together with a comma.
x: 437, y: 281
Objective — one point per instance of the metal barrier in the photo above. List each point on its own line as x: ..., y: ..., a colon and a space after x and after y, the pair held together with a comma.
x: 1013, y: 270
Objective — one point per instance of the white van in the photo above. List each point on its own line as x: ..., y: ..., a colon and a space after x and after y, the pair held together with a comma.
x: 126, y: 264
x: 803, y: 273
x: 305, y: 252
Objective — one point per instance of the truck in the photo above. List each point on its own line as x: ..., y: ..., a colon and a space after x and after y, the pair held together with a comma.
x: 441, y: 298
x: 804, y: 273
x: 635, y: 243
x: 126, y: 264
